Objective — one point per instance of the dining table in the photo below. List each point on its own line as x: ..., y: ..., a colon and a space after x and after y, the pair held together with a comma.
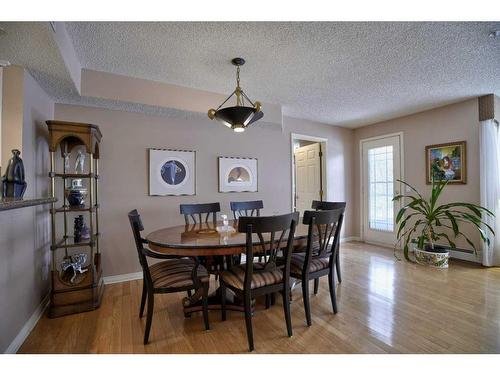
x: 216, y: 250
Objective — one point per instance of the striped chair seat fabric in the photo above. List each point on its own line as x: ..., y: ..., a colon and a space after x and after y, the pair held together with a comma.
x: 235, y: 276
x: 176, y: 273
x: 297, y: 264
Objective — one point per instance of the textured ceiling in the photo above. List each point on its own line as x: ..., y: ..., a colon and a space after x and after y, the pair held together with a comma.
x: 343, y: 73
x: 31, y: 45
x: 347, y: 74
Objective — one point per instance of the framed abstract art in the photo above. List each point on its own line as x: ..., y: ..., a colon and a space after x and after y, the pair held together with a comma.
x: 237, y: 174
x: 172, y: 172
x: 446, y: 161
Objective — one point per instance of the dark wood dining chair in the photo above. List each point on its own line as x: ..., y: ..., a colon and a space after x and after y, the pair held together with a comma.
x: 167, y: 276
x: 319, y: 258
x: 321, y: 206
x: 195, y: 211
x: 254, y: 279
x: 200, y: 213
x: 249, y: 208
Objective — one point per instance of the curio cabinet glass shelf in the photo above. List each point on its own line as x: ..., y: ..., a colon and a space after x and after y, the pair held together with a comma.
x: 77, y: 283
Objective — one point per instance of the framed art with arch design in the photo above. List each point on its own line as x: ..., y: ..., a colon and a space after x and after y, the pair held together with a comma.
x: 237, y: 174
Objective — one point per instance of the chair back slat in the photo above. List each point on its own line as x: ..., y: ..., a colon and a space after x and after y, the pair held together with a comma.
x: 137, y: 228
x: 267, y: 229
x: 243, y: 208
x: 323, y: 234
x: 324, y: 205
x: 195, y: 211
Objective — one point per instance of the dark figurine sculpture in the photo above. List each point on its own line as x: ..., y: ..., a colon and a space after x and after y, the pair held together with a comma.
x: 78, y: 227
x: 13, y: 184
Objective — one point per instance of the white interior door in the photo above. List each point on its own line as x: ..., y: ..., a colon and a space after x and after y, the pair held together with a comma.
x: 381, y: 167
x: 307, y: 176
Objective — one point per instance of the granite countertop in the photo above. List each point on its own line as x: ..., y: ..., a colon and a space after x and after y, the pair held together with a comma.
x: 13, y: 203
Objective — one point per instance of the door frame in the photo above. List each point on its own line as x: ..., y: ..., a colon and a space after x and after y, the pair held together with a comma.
x: 361, y: 173
x: 324, y: 162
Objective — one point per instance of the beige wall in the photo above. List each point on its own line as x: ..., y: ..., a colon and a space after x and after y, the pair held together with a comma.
x: 124, y: 169
x: 12, y: 112
x: 454, y: 122
x: 25, y: 233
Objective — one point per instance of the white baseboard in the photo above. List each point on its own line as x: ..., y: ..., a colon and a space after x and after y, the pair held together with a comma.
x: 28, y: 326
x: 350, y: 239
x: 122, y: 278
x: 466, y: 256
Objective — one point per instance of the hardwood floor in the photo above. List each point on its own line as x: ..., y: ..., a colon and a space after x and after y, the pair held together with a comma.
x: 385, y: 306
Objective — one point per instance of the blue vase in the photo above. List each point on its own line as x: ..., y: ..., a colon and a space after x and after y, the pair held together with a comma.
x: 76, y: 194
x: 13, y: 183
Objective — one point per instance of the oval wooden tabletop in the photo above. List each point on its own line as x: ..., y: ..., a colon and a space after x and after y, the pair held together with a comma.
x: 204, y: 240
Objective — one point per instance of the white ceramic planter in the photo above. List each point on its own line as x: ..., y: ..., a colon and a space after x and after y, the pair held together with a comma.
x: 428, y: 258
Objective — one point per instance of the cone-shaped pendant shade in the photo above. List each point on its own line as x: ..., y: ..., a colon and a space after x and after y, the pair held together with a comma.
x: 237, y: 115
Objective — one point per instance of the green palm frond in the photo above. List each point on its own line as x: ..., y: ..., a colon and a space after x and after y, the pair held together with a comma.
x: 422, y: 220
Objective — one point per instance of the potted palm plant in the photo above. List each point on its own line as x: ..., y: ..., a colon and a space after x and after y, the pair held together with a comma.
x: 423, y: 223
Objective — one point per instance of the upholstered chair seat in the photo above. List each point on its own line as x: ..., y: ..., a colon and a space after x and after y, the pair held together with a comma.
x: 235, y: 276
x: 298, y: 260
x: 176, y: 273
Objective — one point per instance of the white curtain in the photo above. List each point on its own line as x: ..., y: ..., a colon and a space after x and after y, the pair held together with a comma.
x: 490, y: 186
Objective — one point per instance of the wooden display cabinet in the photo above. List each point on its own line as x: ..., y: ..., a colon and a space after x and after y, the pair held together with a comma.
x: 85, y: 292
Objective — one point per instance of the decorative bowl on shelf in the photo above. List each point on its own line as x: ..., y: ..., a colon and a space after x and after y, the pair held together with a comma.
x: 76, y: 194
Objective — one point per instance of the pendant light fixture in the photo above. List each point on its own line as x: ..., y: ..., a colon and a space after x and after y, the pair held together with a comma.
x: 243, y: 113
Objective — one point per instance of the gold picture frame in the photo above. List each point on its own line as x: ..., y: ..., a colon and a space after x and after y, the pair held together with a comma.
x: 446, y: 161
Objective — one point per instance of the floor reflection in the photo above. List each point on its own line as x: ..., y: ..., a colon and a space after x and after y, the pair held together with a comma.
x: 381, y: 298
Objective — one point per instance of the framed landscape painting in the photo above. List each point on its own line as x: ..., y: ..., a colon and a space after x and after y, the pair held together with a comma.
x: 172, y: 172
x: 237, y: 174
x: 446, y: 161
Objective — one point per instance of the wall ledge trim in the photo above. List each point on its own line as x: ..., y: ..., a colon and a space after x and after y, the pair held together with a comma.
x: 28, y: 326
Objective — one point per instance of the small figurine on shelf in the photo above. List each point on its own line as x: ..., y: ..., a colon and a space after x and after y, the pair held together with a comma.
x: 80, y: 161
x: 13, y: 183
x: 66, y: 161
x: 85, y: 232
x: 78, y: 227
x: 75, y: 263
x: 77, y: 193
x: 81, y: 230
